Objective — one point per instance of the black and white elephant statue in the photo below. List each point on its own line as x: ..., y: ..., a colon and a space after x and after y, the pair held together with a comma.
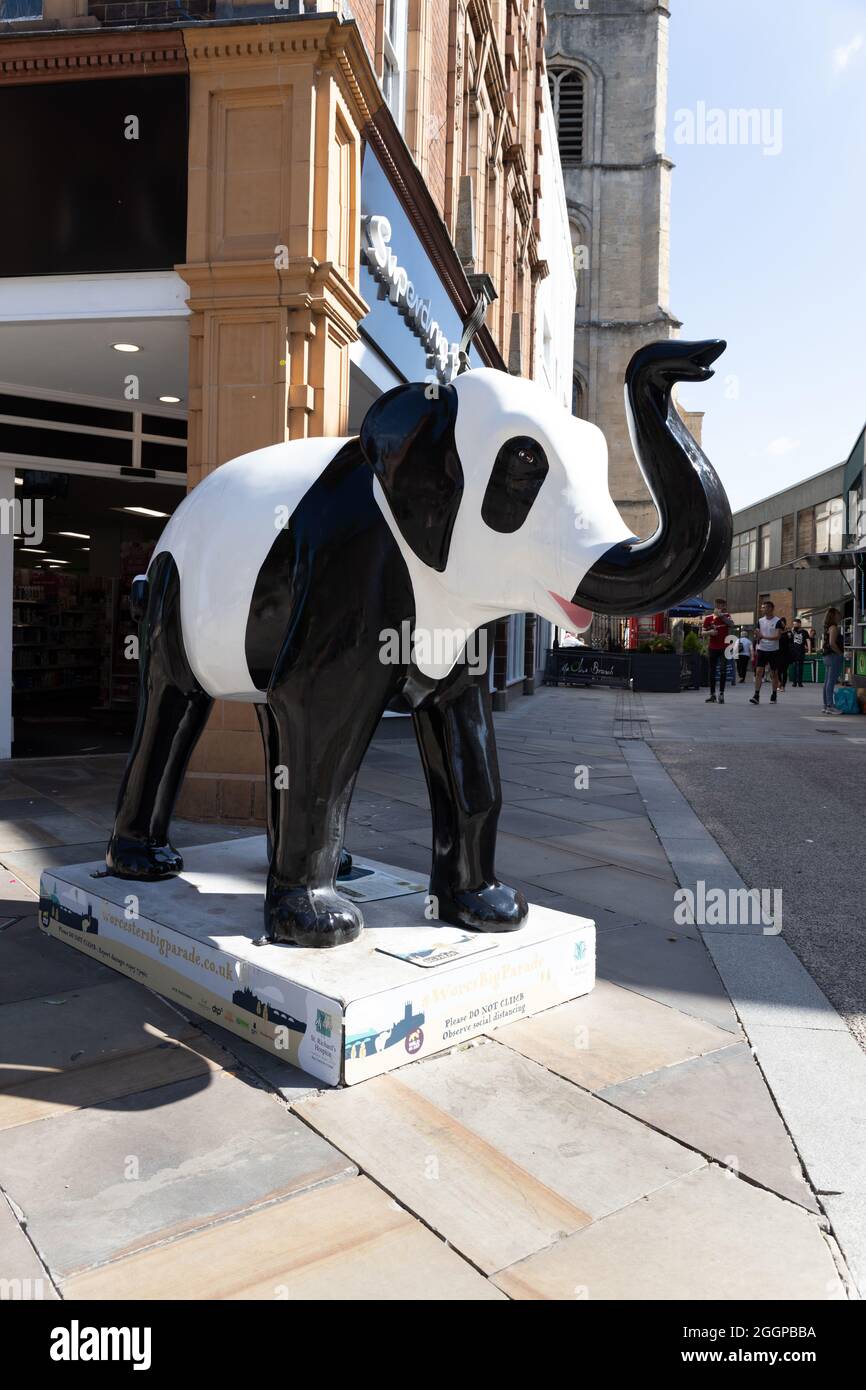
x: 284, y: 576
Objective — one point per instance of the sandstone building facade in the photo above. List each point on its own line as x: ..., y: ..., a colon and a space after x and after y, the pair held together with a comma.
x: 206, y: 208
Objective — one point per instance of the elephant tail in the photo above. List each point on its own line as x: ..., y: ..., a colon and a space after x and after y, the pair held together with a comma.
x: 138, y: 597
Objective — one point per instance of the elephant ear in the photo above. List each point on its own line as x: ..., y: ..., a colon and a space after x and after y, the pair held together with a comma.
x: 408, y: 440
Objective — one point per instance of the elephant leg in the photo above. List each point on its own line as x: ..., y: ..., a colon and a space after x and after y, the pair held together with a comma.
x: 172, y: 712
x: 323, y: 720
x: 454, y: 728
x: 268, y: 727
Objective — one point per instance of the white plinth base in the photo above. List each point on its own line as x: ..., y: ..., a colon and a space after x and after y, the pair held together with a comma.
x: 407, y: 987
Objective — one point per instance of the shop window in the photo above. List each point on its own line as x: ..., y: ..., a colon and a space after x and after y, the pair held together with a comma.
x: 41, y: 428
x: 516, y: 653
x: 567, y: 93
x: 159, y: 454
x: 830, y: 524
x: 163, y: 425
x: 543, y: 641
x: 64, y: 412
x: 57, y: 444
x: 744, y: 552
x: 12, y: 10
x: 765, y: 548
x: 394, y: 57
x: 72, y: 663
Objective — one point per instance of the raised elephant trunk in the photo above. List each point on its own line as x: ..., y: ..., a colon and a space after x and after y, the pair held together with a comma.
x: 693, y: 537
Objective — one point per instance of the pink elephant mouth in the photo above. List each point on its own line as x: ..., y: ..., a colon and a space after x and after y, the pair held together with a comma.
x: 579, y: 618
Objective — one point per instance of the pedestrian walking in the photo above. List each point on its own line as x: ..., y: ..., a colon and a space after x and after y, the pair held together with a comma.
x: 766, y: 651
x: 718, y: 625
x: 834, y: 655
x: 786, y: 654
x: 799, y: 648
x: 744, y: 655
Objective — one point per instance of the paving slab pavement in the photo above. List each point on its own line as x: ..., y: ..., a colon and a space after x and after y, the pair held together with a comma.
x: 718, y: 1104
x: 576, y: 1158
x: 612, y: 1035
x: 669, y: 965
x: 494, y: 1152
x: 707, y: 1237
x: 346, y: 1241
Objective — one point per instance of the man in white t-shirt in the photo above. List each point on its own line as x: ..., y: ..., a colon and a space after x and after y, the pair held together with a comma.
x: 744, y: 655
x: 766, y: 651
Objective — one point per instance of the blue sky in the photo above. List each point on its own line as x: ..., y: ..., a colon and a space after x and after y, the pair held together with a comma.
x: 769, y: 251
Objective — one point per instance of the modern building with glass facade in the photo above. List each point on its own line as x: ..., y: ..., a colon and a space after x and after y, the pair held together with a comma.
x: 792, y: 548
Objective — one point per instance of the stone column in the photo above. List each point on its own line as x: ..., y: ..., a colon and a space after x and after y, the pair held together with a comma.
x: 272, y: 269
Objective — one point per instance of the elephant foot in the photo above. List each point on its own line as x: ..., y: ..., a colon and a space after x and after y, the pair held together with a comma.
x: 303, y: 916
x: 495, y: 907
x: 128, y: 858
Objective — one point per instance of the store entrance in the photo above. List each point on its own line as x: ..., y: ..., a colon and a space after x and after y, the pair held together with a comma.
x: 74, y: 669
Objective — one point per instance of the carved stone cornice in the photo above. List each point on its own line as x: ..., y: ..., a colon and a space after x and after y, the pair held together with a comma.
x: 302, y: 284
x: 347, y: 47
x: 64, y: 56
x: 296, y: 37
x: 310, y: 38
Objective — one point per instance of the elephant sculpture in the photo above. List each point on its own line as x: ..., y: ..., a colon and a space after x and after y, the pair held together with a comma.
x: 283, y: 576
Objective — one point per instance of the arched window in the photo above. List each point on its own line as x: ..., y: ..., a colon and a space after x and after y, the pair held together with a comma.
x: 567, y: 93
x: 578, y: 398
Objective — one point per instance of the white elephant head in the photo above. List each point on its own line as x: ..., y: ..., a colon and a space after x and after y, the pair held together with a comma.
x: 499, y: 499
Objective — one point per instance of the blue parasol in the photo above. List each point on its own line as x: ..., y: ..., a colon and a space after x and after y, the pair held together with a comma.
x: 690, y: 608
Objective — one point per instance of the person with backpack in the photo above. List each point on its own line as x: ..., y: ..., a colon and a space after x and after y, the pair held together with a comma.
x: 799, y: 648
x: 786, y: 653
x: 833, y: 650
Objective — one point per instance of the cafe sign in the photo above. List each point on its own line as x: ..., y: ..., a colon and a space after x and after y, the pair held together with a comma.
x: 585, y: 666
x: 409, y: 301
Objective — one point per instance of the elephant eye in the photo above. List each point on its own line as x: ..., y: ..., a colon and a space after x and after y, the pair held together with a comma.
x: 518, y: 472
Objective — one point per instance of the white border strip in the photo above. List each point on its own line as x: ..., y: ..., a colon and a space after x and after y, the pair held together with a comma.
x: 56, y: 298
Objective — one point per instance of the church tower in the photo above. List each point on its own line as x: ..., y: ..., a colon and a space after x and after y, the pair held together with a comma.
x: 607, y: 67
